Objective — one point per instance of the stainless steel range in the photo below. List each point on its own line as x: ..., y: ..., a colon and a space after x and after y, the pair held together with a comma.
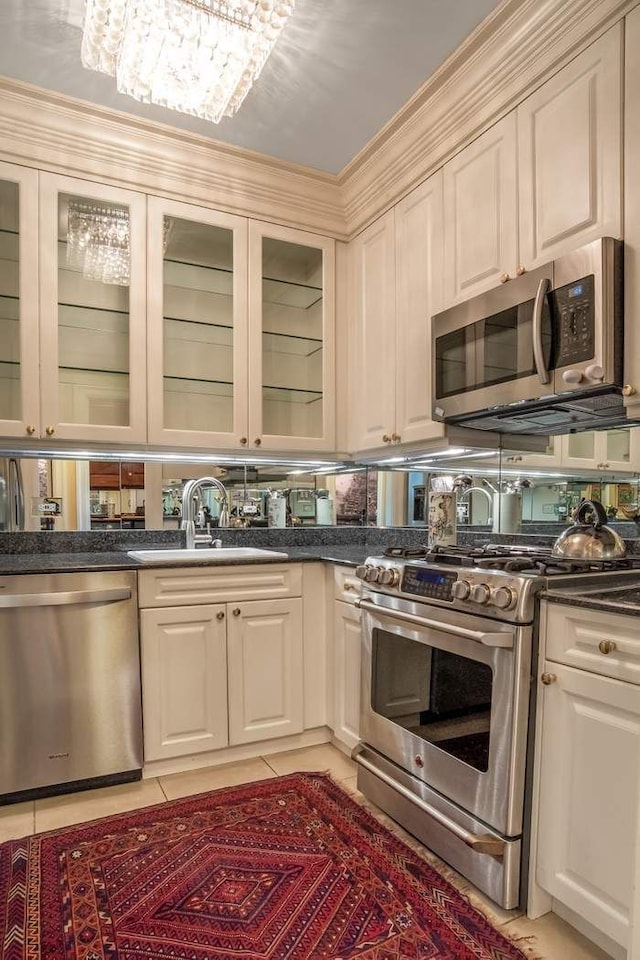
x: 449, y: 642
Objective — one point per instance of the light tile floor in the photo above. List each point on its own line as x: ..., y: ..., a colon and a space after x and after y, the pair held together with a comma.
x: 548, y: 938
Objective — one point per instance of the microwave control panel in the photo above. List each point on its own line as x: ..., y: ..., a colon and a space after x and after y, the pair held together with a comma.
x: 575, y: 318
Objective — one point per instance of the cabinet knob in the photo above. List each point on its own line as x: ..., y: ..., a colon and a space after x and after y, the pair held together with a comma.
x: 520, y: 270
x: 628, y: 390
x: 504, y: 277
x: 30, y: 429
x: 257, y: 441
x: 220, y: 615
x: 243, y: 441
x: 236, y: 612
x: 50, y: 431
x: 548, y: 678
x: 386, y: 438
x: 396, y: 437
x: 349, y: 586
x: 607, y: 646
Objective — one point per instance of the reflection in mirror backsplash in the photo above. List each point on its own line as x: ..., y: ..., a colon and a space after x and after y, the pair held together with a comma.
x: 494, y: 494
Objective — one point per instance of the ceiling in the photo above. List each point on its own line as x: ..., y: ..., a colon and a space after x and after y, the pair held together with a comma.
x: 340, y: 70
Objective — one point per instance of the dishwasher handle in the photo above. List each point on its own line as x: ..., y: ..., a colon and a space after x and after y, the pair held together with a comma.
x: 64, y: 598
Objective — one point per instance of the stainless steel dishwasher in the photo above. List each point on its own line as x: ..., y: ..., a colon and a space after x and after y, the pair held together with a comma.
x: 70, y: 700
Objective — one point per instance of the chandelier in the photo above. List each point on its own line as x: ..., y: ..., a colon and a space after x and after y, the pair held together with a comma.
x: 98, y: 241
x: 196, y: 56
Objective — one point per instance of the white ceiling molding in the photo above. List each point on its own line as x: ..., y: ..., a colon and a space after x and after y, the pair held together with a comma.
x: 64, y: 135
x: 520, y: 45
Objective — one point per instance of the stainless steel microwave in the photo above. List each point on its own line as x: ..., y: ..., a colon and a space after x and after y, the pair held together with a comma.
x: 541, y: 354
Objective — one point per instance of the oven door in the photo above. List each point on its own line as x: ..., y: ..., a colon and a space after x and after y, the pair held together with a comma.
x: 491, y: 350
x: 445, y: 696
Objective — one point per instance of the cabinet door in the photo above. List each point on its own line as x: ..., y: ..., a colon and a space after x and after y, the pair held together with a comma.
x: 419, y: 241
x: 374, y: 363
x: 347, y: 655
x: 265, y: 670
x: 197, y: 326
x: 184, y: 680
x: 19, y: 393
x: 589, y: 796
x: 569, y: 153
x: 92, y: 304
x: 480, y: 214
x: 291, y: 339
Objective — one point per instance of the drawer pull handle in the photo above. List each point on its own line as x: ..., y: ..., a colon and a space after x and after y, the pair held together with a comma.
x: 548, y: 678
x: 220, y: 615
x: 236, y: 612
x: 607, y: 646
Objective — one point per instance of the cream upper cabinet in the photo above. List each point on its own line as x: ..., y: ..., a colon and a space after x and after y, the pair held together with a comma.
x: 240, y: 332
x: 542, y: 181
x: 291, y: 385
x: 569, y: 155
x: 397, y: 277
x: 92, y: 311
x: 480, y: 214
x: 197, y: 326
x: 373, y: 362
x: 19, y: 385
x: 418, y: 260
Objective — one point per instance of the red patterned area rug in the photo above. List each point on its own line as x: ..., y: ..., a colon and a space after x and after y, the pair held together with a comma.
x: 284, y: 869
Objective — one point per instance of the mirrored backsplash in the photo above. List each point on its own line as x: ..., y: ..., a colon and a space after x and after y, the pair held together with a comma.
x: 488, y: 492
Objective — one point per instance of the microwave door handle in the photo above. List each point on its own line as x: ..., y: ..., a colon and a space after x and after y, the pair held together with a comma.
x: 538, y: 352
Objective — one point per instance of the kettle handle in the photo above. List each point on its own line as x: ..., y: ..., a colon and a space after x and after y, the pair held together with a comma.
x: 593, y: 506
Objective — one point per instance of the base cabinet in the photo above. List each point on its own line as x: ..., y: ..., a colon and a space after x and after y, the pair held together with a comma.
x: 184, y: 680
x: 588, y: 759
x: 219, y: 674
x: 264, y: 646
x: 347, y: 646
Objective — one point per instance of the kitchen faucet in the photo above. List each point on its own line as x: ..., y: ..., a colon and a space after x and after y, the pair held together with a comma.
x: 486, y: 494
x: 192, y: 491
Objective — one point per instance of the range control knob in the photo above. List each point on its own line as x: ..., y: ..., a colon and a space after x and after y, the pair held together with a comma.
x: 594, y: 372
x: 504, y: 598
x: 461, y: 589
x: 373, y: 574
x: 481, y: 593
x: 361, y: 571
x: 572, y: 376
x: 389, y: 576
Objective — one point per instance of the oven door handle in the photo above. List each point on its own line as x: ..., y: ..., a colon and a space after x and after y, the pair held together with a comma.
x: 479, y: 842
x: 502, y: 639
x: 538, y: 352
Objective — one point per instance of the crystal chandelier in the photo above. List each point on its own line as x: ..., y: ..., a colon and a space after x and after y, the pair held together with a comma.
x: 196, y: 56
x: 98, y: 241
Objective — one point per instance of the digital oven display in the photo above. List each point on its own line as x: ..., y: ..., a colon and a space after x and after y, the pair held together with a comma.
x: 576, y: 291
x: 427, y: 583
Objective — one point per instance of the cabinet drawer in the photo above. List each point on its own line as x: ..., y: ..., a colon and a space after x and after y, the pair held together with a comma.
x: 580, y: 638
x: 346, y: 585
x: 180, y: 586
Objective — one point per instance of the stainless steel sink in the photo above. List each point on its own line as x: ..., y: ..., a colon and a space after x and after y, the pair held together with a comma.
x: 215, y: 555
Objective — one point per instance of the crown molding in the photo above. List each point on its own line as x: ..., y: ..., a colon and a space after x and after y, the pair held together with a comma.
x: 61, y: 134
x: 508, y: 56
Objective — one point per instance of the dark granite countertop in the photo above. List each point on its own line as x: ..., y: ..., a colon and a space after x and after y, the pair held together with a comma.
x: 19, y: 563
x: 620, y: 599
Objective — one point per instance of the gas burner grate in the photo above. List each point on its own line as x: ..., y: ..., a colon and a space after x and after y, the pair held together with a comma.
x: 419, y: 552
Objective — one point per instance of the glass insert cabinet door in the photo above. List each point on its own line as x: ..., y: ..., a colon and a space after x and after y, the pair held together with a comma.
x: 197, y: 343
x: 92, y: 309
x: 19, y: 388
x: 291, y: 357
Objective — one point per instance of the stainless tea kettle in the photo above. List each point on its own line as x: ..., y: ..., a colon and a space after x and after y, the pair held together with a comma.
x: 592, y: 540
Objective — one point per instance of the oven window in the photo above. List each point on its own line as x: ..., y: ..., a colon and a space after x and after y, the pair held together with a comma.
x: 441, y: 697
